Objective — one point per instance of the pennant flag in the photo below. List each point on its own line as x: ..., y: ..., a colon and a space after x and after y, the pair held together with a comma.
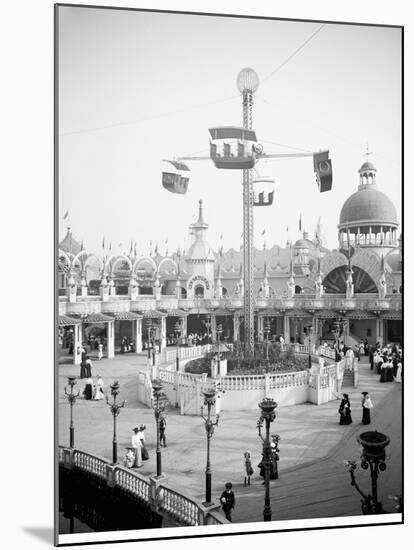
x: 156, y: 248
x: 300, y: 222
x: 66, y: 214
x: 264, y: 232
x: 110, y: 246
x: 103, y: 242
x: 135, y: 249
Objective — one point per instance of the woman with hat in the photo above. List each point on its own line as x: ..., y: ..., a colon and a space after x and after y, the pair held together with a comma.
x: 366, y: 408
x: 141, y: 435
x: 345, y: 410
x: 136, y: 447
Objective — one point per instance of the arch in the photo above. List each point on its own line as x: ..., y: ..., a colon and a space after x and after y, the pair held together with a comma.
x: 333, y: 260
x: 117, y: 260
x: 90, y: 256
x: 78, y: 255
x: 199, y: 290
x: 168, y: 259
x: 141, y: 259
x: 335, y: 281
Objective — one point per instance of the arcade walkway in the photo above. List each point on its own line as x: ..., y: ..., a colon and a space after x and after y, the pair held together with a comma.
x: 313, y: 481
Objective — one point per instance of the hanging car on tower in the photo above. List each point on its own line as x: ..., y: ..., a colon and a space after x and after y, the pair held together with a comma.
x: 233, y: 147
x: 263, y: 191
x: 174, y: 181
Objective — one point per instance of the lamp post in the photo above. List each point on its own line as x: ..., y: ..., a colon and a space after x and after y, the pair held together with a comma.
x: 372, y: 457
x: 267, y: 407
x: 219, y: 330
x: 266, y: 330
x: 72, y: 399
x: 115, y: 410
x: 177, y: 330
x: 158, y: 410
x: 209, y: 401
x: 149, y: 339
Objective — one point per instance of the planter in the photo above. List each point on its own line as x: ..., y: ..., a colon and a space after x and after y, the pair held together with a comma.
x: 373, y: 443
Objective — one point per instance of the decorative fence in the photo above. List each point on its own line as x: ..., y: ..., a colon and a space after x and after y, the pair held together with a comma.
x: 178, y: 508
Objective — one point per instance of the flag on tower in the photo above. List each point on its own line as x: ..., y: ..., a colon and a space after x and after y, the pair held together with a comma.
x: 66, y: 214
x: 264, y: 232
x: 103, y: 242
x: 156, y: 249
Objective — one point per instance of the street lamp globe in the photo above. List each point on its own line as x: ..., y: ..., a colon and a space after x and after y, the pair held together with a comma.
x: 247, y: 80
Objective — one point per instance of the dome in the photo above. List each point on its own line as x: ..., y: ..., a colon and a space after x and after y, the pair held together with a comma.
x: 367, y: 166
x: 393, y: 260
x: 200, y: 250
x: 301, y: 243
x: 368, y: 205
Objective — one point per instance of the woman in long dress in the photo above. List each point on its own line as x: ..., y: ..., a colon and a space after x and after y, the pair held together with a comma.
x: 398, y: 375
x: 99, y: 389
x: 137, y: 448
x: 345, y: 410
x: 88, y: 391
x: 383, y: 371
x: 366, y: 408
x: 141, y: 435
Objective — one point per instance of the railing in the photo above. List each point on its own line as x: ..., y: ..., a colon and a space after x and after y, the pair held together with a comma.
x: 90, y: 463
x: 242, y: 382
x: 183, y: 510
x: 135, y: 485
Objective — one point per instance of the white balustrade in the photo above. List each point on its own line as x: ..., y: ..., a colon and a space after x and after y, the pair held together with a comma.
x: 90, y: 463
x: 183, y: 509
x: 130, y: 481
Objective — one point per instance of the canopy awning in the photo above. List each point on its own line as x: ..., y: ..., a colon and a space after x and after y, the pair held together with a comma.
x: 95, y: 318
x: 66, y: 321
x: 153, y: 314
x: 127, y: 316
x: 174, y: 312
x: 232, y: 132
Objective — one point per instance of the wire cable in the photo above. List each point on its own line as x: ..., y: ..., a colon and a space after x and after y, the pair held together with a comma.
x: 293, y: 54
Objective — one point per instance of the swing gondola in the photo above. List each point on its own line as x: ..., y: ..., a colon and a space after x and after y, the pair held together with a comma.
x: 263, y: 191
x: 322, y: 166
x: 233, y: 147
x: 174, y: 181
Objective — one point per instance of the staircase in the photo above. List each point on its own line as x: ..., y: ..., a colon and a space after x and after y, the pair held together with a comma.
x: 349, y: 379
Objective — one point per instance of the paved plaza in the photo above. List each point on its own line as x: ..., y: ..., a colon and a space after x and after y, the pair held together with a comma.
x: 313, y: 481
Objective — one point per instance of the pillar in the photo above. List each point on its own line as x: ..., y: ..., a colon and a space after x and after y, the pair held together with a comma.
x: 213, y: 328
x: 111, y: 340
x: 346, y: 332
x: 84, y: 287
x: 104, y: 291
x: 133, y: 289
x: 138, y: 336
x: 236, y: 330
x: 77, y: 341
x: 286, y: 329
x: 370, y: 235
x: 260, y: 328
x: 163, y: 331
x: 380, y: 331
x: 184, y: 322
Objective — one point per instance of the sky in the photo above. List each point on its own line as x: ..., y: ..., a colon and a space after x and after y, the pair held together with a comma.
x: 136, y: 88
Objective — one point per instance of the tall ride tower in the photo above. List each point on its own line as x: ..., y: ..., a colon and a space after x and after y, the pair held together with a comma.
x: 248, y: 83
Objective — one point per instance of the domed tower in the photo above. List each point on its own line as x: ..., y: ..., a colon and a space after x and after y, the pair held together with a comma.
x: 201, y: 257
x: 368, y: 217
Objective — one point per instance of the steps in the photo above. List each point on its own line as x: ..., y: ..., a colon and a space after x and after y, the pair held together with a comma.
x: 349, y: 379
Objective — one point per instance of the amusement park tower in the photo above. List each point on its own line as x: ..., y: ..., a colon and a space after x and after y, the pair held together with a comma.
x: 248, y: 83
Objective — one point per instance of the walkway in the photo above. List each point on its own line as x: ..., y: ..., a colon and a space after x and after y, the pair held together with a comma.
x: 313, y: 446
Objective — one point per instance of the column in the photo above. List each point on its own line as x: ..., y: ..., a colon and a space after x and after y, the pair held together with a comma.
x: 111, y: 340
x: 346, y: 332
x: 184, y: 321
x: 138, y: 336
x: 104, y: 291
x: 236, y: 325
x: 379, y: 331
x: 77, y: 341
x: 260, y: 328
x: 370, y: 235
x: 213, y: 328
x: 163, y: 332
x: 286, y: 329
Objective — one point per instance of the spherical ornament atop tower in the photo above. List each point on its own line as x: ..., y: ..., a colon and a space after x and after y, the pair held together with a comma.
x: 247, y: 81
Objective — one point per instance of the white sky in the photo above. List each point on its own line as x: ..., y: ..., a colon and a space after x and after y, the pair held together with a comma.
x: 136, y: 88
